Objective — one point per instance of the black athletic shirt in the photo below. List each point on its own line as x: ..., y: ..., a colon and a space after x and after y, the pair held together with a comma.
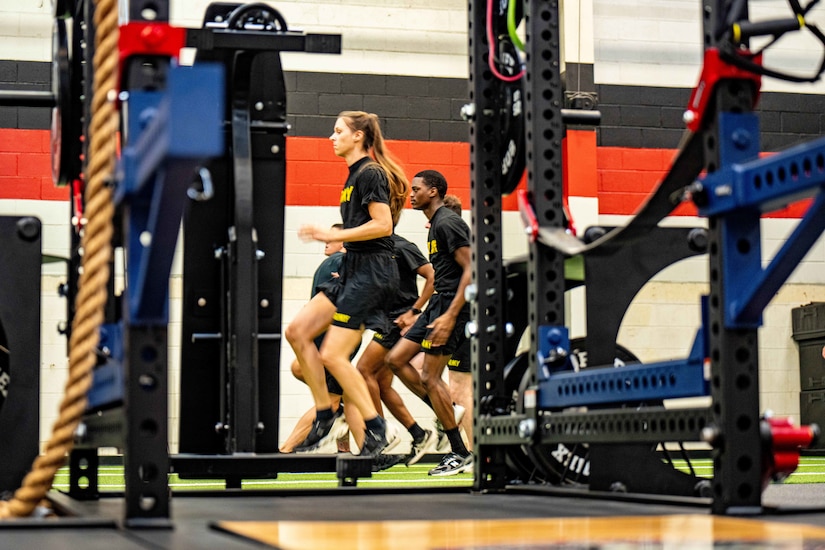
x: 323, y: 273
x: 366, y: 183
x: 409, y: 258
x: 448, y: 232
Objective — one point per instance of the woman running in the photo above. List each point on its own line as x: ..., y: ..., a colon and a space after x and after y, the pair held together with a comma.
x: 373, y: 196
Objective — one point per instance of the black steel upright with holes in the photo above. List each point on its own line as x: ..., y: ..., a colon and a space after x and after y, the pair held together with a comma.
x: 146, y: 459
x: 145, y: 396
x: 543, y: 100
x: 734, y: 353
x: 488, y: 307
x: 83, y: 460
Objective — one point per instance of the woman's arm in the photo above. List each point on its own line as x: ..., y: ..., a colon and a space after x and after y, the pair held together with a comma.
x: 380, y: 225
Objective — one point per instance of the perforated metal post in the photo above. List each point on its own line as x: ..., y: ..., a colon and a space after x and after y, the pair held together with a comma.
x: 488, y: 307
x: 544, y: 99
x: 733, y: 352
x: 145, y: 457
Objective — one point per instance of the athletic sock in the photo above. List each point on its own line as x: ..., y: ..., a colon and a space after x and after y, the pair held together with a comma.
x: 375, y: 424
x: 323, y: 414
x: 456, y: 442
x: 417, y: 432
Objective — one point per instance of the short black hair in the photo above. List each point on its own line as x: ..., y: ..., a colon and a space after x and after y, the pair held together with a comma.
x: 435, y: 179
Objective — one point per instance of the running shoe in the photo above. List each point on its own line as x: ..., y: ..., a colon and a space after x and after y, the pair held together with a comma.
x: 458, y: 413
x: 453, y: 464
x: 330, y: 444
x: 384, y: 461
x: 374, y: 441
x: 443, y: 445
x: 319, y: 430
x: 393, y: 438
x: 420, y: 448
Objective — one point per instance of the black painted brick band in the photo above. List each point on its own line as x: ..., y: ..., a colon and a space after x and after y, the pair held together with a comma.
x: 428, y: 109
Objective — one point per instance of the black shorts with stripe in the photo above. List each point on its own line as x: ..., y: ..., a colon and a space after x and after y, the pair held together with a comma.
x: 362, y: 294
x: 419, y: 333
x: 460, y: 361
x: 389, y: 339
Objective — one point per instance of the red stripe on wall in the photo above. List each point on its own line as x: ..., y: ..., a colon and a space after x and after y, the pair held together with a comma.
x: 621, y: 178
x: 314, y: 175
x: 581, y: 169
x: 25, y: 166
x: 627, y: 176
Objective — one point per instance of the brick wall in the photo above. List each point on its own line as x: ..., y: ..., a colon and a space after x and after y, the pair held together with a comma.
x: 25, y: 166
x: 651, y: 117
x: 314, y: 174
x: 641, y: 127
x: 411, y: 108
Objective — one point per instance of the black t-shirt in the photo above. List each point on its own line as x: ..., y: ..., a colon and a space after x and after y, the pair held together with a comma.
x: 323, y: 274
x: 366, y: 183
x: 448, y: 232
x: 409, y: 259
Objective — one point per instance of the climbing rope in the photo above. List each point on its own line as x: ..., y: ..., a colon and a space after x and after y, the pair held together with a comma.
x: 92, y: 286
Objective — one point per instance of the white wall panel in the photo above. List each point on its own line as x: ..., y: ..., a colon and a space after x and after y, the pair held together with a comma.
x: 659, y: 43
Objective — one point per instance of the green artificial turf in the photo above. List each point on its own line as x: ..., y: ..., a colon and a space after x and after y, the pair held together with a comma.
x: 811, y: 470
x: 111, y: 479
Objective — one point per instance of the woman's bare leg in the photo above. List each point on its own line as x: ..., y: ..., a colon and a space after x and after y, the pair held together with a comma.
x: 311, y: 321
x: 335, y: 351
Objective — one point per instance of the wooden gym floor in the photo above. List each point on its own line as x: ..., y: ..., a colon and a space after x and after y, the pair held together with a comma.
x: 454, y: 519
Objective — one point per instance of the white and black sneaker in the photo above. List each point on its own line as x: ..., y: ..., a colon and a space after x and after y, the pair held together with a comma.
x: 443, y: 444
x: 384, y: 461
x: 453, y: 464
x: 420, y: 448
x: 393, y: 438
x: 319, y: 430
x: 374, y: 441
x: 329, y: 444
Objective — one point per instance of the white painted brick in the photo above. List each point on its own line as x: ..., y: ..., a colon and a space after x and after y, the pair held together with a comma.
x: 25, y: 48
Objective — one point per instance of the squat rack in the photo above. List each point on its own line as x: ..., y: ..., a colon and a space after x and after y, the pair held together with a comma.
x: 744, y: 452
x: 722, y: 139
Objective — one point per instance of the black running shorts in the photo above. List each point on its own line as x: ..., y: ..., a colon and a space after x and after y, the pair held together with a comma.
x: 439, y: 303
x: 367, y: 287
x: 389, y: 339
x: 460, y: 361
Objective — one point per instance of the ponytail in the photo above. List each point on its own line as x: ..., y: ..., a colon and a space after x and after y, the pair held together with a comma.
x: 374, y: 144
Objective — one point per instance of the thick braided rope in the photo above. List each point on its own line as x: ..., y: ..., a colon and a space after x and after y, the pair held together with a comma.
x: 92, y: 286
